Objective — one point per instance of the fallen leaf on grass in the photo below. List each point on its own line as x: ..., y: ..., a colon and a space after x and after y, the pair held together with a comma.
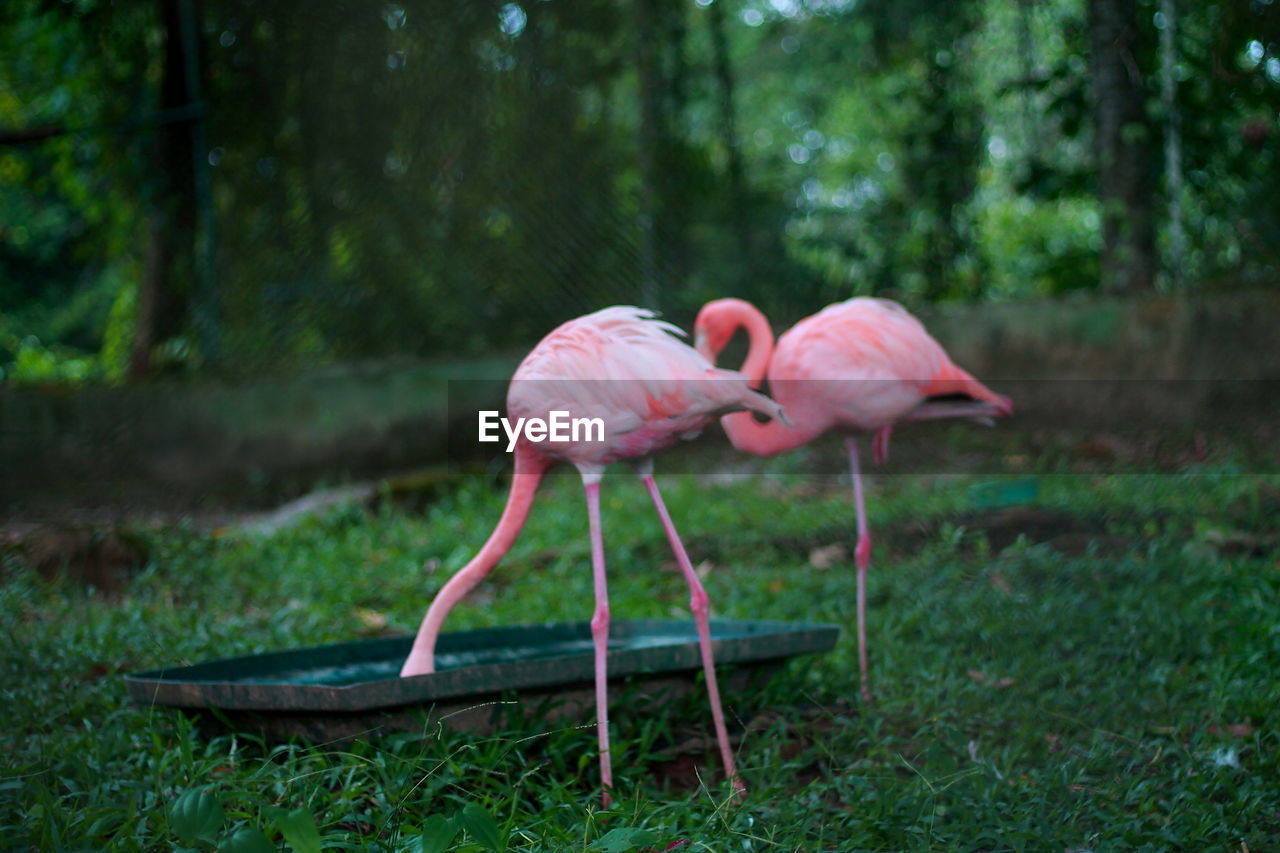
x: 1102, y: 448
x: 1225, y: 756
x: 1240, y: 542
x: 101, y: 670
x: 827, y: 556
x: 973, y: 756
x: 1232, y: 729
x: 674, y: 845
x: 371, y: 620
x: 998, y: 684
x: 1000, y: 583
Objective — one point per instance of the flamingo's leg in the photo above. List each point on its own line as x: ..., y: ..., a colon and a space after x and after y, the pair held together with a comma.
x: 600, y: 631
x: 862, y: 558
x: 880, y: 445
x: 701, y: 607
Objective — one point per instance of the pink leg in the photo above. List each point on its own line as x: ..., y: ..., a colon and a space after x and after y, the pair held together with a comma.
x: 862, y: 558
x: 880, y: 445
x: 701, y: 608
x: 600, y: 633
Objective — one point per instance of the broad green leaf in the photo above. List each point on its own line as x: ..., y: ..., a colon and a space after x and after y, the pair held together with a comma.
x: 481, y: 826
x: 626, y: 838
x: 298, y: 828
x: 246, y: 839
x: 438, y: 833
x: 196, y: 814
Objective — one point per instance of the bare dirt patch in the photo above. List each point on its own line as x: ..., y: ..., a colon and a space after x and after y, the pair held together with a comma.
x: 104, y: 558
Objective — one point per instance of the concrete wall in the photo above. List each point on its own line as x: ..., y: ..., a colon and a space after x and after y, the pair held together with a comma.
x: 1177, y: 361
x: 1221, y: 337
x: 1092, y: 362
x: 210, y: 443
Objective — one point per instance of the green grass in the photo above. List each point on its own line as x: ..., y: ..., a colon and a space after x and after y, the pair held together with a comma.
x: 1122, y: 696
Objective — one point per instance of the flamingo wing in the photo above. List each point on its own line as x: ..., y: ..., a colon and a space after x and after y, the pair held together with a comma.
x: 869, y: 361
x: 629, y: 369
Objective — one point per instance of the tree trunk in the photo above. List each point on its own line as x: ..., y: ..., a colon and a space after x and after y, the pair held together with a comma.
x: 1027, y: 55
x: 729, y: 128
x: 1123, y: 145
x: 155, y: 270
x: 673, y: 206
x: 941, y: 156
x: 1172, y: 141
x: 205, y: 299
x: 651, y: 137
x: 162, y: 299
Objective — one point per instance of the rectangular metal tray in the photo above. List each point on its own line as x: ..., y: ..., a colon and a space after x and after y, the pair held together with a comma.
x: 363, y: 676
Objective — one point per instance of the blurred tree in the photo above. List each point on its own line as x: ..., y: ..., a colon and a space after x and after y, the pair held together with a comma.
x: 1167, y: 21
x: 735, y: 172
x: 71, y: 170
x: 1123, y: 141
x: 662, y: 91
x: 422, y: 177
x: 943, y: 146
x: 1228, y: 72
x: 652, y: 136
x: 164, y: 296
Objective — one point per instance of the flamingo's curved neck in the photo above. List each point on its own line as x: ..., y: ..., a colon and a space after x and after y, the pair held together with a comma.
x: 529, y: 468
x: 744, y: 431
x: 760, y: 335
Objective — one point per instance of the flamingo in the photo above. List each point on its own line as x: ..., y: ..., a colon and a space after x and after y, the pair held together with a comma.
x: 862, y: 365
x: 650, y: 389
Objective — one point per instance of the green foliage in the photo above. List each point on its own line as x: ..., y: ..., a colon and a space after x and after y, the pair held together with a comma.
x: 1031, y: 695
x: 246, y: 839
x: 68, y: 205
x: 196, y: 815
x: 626, y: 838
x: 438, y: 833
x: 482, y: 828
x: 416, y: 178
x: 298, y: 828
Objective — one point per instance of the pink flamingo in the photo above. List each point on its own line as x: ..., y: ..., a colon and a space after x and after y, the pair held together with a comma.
x: 856, y: 366
x: 650, y: 389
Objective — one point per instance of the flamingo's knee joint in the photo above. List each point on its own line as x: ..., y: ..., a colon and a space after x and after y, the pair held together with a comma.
x: 600, y: 621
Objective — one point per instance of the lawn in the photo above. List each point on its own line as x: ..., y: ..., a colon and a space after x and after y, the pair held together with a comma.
x: 1096, y: 671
